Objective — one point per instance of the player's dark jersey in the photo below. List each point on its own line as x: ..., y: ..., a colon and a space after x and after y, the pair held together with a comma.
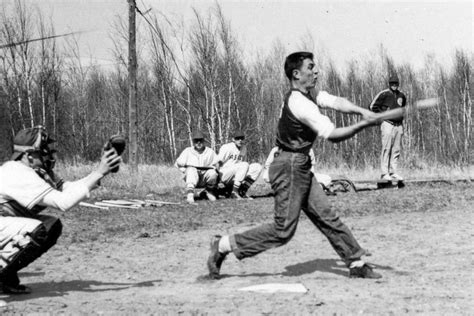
x: 389, y: 100
x: 292, y: 135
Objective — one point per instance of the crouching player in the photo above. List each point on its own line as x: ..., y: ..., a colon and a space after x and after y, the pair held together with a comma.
x: 198, y: 164
x: 28, y: 186
x: 236, y: 174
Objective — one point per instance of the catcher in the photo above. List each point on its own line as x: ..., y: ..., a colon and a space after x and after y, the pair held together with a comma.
x: 28, y: 185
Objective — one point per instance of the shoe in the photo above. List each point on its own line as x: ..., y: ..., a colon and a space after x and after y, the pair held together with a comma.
x: 10, y: 284
x: 190, y: 198
x: 235, y: 195
x: 15, y: 289
x: 214, y: 262
x: 386, y: 177
x: 396, y: 177
x: 364, y: 272
x: 211, y: 197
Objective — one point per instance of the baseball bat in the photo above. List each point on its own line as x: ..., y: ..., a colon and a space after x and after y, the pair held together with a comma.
x: 201, y: 168
x: 85, y: 204
x: 401, y: 112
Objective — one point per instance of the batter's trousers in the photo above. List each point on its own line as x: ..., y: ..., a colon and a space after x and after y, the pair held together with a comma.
x: 295, y: 190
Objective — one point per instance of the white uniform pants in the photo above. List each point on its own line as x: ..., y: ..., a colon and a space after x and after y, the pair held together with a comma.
x: 200, y: 178
x: 13, y: 236
x: 391, y: 147
x: 234, y: 175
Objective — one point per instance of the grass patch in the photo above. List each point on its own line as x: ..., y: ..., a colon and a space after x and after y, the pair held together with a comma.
x: 161, y: 180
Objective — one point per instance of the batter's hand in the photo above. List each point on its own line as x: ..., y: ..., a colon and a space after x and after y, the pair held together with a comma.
x: 109, y: 161
x: 370, y: 116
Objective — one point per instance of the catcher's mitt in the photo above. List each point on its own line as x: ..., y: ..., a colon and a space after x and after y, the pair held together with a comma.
x: 118, y: 143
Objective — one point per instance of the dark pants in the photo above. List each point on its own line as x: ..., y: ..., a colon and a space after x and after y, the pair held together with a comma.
x: 295, y: 190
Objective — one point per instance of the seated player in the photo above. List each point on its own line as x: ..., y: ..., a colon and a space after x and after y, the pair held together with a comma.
x: 28, y: 185
x: 236, y: 174
x: 199, y: 166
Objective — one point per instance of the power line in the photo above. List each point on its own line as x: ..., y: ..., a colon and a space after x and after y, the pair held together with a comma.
x: 166, y: 46
x: 36, y: 39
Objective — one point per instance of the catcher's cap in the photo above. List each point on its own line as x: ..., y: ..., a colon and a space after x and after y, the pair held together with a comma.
x: 198, y: 135
x: 239, y: 134
x: 30, y: 140
x: 393, y: 79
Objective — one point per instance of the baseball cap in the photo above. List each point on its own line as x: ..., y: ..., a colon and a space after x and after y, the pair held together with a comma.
x: 239, y: 134
x: 393, y: 79
x: 198, y: 135
x: 30, y: 140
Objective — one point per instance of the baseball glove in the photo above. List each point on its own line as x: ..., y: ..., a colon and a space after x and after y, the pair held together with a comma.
x: 118, y: 143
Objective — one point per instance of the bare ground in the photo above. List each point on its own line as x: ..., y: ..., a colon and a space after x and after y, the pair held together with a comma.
x: 152, y: 261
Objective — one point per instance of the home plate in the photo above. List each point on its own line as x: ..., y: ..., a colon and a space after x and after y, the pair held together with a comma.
x: 276, y: 287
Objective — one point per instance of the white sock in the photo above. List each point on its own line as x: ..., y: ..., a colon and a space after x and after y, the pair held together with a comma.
x: 224, y: 245
x: 356, y: 264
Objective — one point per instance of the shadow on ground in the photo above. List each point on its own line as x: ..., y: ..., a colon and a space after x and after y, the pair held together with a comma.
x: 58, y: 289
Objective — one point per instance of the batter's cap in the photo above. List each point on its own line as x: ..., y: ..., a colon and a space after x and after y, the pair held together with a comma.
x: 30, y: 140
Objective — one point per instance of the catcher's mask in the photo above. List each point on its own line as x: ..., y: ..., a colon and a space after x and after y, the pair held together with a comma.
x: 35, y: 139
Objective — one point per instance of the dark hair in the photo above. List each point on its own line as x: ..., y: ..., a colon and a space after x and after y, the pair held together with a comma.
x: 294, y: 61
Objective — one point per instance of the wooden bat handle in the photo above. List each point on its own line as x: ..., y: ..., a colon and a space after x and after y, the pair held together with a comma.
x: 400, y: 112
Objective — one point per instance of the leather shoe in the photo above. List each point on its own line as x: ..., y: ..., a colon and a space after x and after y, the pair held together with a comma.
x: 214, y: 262
x: 15, y: 289
x: 364, y: 272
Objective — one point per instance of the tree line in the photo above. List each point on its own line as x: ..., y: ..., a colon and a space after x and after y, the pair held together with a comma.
x: 197, y: 77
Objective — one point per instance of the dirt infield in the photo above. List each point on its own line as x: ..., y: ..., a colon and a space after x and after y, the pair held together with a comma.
x: 153, y: 261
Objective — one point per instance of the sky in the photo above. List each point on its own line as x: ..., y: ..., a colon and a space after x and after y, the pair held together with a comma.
x: 408, y: 30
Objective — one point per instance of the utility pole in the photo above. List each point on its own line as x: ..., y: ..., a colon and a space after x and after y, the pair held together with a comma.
x: 6, y: 141
x: 132, y: 83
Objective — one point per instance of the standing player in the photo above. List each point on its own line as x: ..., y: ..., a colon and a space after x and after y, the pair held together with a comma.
x: 392, y: 130
x: 198, y: 163
x: 27, y: 187
x: 291, y: 180
x: 236, y: 174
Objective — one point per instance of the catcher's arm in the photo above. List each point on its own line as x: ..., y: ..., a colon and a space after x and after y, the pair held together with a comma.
x: 78, y: 190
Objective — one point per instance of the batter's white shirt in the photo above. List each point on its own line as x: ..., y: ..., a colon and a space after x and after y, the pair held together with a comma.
x: 191, y: 157
x: 22, y: 184
x: 305, y: 111
x: 229, y: 154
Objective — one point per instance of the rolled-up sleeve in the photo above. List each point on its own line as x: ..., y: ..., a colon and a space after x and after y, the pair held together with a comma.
x: 326, y: 100
x: 308, y: 113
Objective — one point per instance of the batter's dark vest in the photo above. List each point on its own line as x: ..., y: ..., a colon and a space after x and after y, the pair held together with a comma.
x: 292, y: 135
